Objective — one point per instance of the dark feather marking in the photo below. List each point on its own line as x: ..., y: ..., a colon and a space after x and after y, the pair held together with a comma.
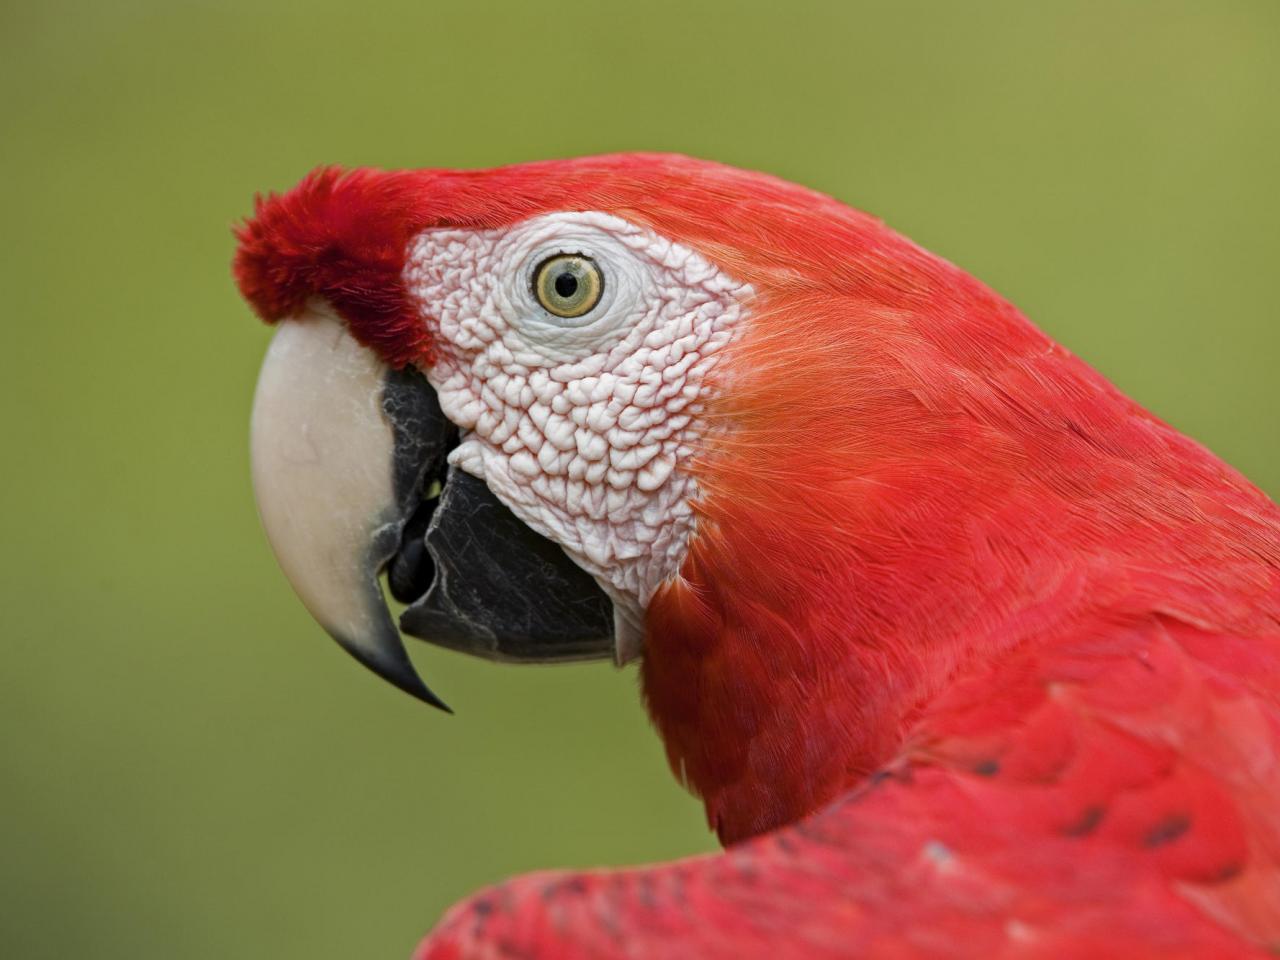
x: 1167, y: 830
x: 645, y: 893
x: 1229, y: 872
x: 1087, y: 823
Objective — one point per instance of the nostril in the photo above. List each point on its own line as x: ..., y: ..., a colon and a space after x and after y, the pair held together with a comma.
x: 411, y: 570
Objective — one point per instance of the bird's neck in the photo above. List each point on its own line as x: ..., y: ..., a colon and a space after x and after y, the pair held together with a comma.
x: 840, y: 581
x: 789, y: 659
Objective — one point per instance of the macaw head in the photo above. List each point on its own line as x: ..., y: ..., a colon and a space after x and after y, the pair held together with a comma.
x: 495, y: 387
x: 647, y: 404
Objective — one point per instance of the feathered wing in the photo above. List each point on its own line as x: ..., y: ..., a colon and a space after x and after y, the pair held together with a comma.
x: 1117, y: 799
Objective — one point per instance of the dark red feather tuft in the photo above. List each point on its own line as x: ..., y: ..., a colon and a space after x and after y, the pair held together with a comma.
x: 342, y: 236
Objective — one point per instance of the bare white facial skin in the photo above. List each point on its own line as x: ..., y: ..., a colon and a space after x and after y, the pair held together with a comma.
x: 583, y: 427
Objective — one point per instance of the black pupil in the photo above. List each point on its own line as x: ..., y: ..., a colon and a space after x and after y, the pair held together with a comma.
x: 566, y: 285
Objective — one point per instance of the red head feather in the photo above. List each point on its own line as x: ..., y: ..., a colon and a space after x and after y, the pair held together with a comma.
x: 344, y: 235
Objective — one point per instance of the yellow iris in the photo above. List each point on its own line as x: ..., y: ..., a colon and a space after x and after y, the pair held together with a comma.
x: 568, y: 285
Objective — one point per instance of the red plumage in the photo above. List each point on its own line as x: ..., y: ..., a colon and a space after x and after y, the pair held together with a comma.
x: 971, y: 655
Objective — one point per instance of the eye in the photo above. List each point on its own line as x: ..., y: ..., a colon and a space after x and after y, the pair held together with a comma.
x: 568, y: 285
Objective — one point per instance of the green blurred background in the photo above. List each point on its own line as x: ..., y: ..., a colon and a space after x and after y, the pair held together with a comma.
x: 190, y: 769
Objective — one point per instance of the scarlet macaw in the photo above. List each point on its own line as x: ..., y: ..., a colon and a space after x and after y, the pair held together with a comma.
x: 966, y: 653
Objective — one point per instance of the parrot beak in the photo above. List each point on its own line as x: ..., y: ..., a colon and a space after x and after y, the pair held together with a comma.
x: 351, y: 480
x: 323, y: 454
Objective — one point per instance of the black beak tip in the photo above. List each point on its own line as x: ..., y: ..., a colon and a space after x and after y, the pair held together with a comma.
x: 421, y: 691
x: 397, y: 670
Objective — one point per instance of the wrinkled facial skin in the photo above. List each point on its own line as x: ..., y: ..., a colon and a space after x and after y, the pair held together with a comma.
x: 586, y: 428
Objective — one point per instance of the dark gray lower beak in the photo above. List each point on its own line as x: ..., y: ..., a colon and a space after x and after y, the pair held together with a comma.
x: 349, y: 467
x: 499, y: 590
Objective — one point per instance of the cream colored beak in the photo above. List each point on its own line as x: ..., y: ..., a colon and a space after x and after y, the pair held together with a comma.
x: 324, y: 453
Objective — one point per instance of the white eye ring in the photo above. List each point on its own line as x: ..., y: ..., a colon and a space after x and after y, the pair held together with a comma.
x: 626, y: 289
